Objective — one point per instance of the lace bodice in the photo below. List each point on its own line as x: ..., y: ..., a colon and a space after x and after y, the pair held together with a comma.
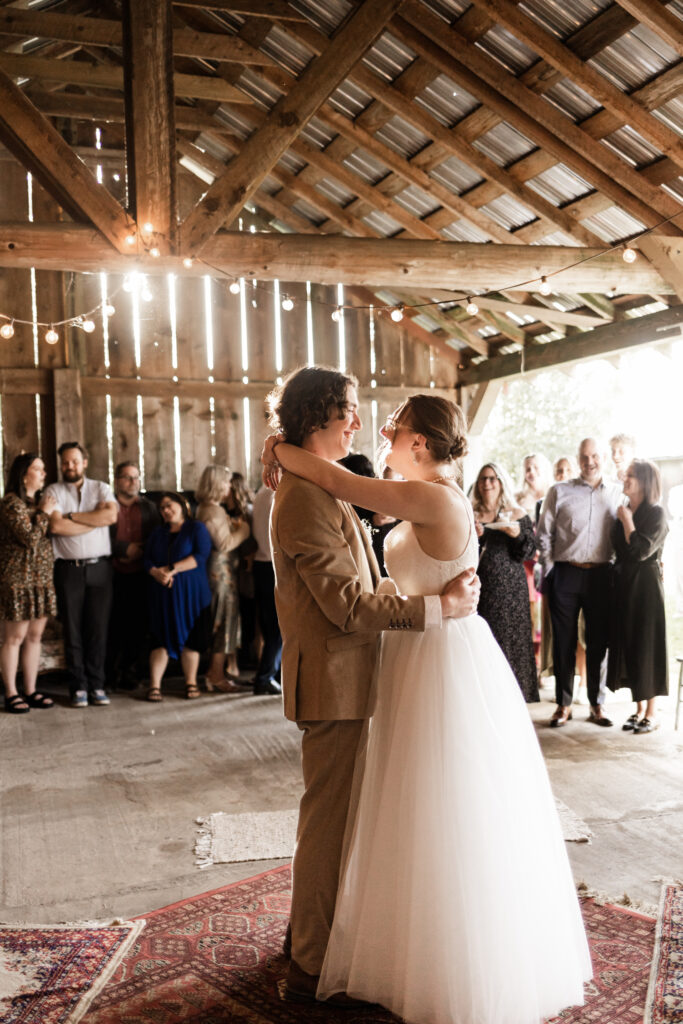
x: 416, y: 572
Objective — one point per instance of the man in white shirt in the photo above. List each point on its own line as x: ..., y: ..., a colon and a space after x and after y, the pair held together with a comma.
x: 576, y: 552
x: 79, y: 526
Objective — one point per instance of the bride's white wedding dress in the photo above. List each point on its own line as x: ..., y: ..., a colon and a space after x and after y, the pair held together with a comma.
x: 456, y: 903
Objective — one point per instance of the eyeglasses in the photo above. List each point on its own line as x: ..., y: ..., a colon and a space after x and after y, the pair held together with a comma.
x: 127, y: 476
x: 491, y: 479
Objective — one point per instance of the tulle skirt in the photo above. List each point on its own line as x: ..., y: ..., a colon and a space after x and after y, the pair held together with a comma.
x: 456, y: 903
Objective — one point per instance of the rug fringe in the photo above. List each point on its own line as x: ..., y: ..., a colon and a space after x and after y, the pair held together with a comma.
x: 586, y: 891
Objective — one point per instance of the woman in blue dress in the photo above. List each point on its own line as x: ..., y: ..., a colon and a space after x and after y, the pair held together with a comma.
x: 179, y: 593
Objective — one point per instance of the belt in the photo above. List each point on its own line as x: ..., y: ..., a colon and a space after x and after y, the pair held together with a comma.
x: 84, y: 561
x: 588, y: 565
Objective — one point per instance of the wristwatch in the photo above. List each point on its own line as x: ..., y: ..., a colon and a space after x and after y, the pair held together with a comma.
x: 68, y: 515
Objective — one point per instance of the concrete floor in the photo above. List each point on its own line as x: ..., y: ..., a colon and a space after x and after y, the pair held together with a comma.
x: 98, y: 808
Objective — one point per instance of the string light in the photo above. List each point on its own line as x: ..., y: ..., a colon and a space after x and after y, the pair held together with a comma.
x: 127, y: 284
x: 472, y: 308
x: 147, y: 294
x: 7, y: 331
x: 51, y: 336
x: 287, y: 304
x: 155, y: 252
x: 629, y: 255
x: 108, y: 309
x: 187, y: 262
x: 545, y: 288
x: 130, y: 239
x: 397, y: 314
x: 148, y: 228
x: 234, y: 287
x: 336, y: 314
x: 87, y: 325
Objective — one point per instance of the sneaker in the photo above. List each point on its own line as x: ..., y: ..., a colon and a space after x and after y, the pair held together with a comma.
x: 98, y: 698
x: 79, y: 699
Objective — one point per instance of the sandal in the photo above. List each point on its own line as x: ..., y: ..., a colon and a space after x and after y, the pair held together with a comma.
x: 16, y: 705
x: 192, y: 691
x: 154, y: 694
x: 39, y: 700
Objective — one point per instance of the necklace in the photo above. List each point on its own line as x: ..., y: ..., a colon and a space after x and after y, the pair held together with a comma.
x: 441, y: 479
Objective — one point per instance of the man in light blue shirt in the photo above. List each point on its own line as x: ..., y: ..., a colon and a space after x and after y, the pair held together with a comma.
x: 576, y: 553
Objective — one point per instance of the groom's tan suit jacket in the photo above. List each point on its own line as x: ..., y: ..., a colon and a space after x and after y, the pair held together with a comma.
x: 331, y: 617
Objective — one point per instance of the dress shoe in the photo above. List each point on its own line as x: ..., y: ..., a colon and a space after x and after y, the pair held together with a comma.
x: 300, y: 987
x: 631, y: 723
x: 646, y: 725
x: 270, y: 688
x: 597, y: 718
x: 561, y: 717
x: 287, y: 943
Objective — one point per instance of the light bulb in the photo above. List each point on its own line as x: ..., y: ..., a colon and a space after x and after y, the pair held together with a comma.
x: 149, y: 228
x: 629, y: 255
x: 88, y: 326
x: 7, y: 331
x: 545, y: 288
x: 146, y: 294
x: 287, y: 303
x: 397, y: 314
x: 127, y: 284
x: 187, y: 262
x: 472, y: 308
x: 116, y: 177
x: 51, y: 336
x: 130, y: 239
x: 109, y: 310
x: 336, y: 314
x: 234, y: 287
x: 155, y: 252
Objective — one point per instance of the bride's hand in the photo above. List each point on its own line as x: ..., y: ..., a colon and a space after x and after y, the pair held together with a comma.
x: 272, y: 470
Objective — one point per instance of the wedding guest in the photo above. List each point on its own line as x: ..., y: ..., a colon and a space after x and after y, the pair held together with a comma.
x: 79, y: 524
x: 179, y: 595
x: 239, y: 505
x: 379, y: 525
x: 575, y: 552
x: 637, y: 654
x: 623, y: 448
x: 506, y: 539
x: 27, y: 593
x: 226, y: 535
x: 267, y: 679
x: 129, y: 625
x: 564, y: 468
x: 536, y: 479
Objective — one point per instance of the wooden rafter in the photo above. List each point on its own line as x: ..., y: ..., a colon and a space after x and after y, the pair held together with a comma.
x: 538, y: 120
x: 279, y: 9
x: 591, y: 81
x: 265, y: 147
x: 89, y: 75
x: 625, y: 334
x: 41, y: 149
x: 666, y: 255
x: 656, y: 16
x: 386, y: 262
x: 108, y: 33
x: 108, y: 109
x: 150, y: 128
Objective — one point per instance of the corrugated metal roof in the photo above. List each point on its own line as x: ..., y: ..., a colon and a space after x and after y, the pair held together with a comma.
x: 507, y: 49
x: 264, y: 93
x: 556, y: 238
x: 349, y: 99
x: 508, y: 212
x: 631, y: 146
x: 449, y: 10
x: 307, y: 210
x: 417, y: 201
x: 634, y: 59
x: 388, y: 58
x: 456, y: 175
x: 366, y: 166
x: 463, y: 231
x: 446, y: 101
x: 675, y: 189
x: 317, y: 133
x: 504, y: 144
x: 671, y: 113
x: 565, y: 17
x: 289, y: 52
x: 571, y: 99
x: 402, y: 137
x: 613, y: 224
x: 382, y: 223
x: 333, y: 190
x: 324, y: 14
x: 559, y: 185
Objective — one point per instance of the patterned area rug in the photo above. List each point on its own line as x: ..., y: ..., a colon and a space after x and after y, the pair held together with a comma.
x: 216, y: 959
x: 665, y: 994
x: 50, y: 975
x: 271, y: 835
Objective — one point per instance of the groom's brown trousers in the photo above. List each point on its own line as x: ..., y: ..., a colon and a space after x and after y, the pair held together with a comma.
x: 328, y: 752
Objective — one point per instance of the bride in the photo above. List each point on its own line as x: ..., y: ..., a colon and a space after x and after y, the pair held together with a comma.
x: 456, y: 902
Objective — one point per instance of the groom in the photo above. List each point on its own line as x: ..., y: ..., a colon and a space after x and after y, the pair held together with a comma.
x: 331, y: 617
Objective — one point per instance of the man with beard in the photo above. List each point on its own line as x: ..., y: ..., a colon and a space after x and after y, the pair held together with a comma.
x: 79, y: 526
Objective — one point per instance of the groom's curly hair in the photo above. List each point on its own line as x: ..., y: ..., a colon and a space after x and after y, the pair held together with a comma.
x: 307, y: 400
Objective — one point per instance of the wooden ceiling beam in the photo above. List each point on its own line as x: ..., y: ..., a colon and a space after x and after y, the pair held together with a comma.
x: 656, y: 17
x: 615, y: 337
x: 150, y: 127
x: 666, y: 255
x: 386, y: 262
x: 277, y: 9
x: 267, y: 145
x: 105, y: 109
x: 542, y: 313
x: 536, y: 119
x: 582, y: 74
x: 75, y: 72
x: 108, y: 33
x: 41, y: 149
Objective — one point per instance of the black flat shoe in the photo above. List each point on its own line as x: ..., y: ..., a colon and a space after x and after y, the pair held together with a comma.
x: 39, y: 700
x: 646, y: 725
x: 630, y: 723
x: 16, y: 705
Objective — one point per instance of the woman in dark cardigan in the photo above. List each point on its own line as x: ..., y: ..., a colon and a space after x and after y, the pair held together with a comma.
x: 637, y: 652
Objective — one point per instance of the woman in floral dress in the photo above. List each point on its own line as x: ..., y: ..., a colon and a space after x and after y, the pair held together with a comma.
x: 27, y: 593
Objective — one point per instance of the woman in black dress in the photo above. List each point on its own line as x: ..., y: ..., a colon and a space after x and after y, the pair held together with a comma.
x: 506, y: 539
x: 637, y: 650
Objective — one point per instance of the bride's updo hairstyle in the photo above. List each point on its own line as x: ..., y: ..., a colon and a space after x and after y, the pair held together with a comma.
x: 440, y: 421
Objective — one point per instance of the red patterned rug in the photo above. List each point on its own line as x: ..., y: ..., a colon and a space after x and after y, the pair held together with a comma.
x: 51, y: 974
x: 665, y: 995
x: 216, y: 959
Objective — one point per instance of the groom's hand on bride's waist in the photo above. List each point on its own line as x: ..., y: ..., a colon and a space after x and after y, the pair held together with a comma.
x: 461, y: 596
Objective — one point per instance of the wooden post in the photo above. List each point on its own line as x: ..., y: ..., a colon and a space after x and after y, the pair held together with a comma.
x: 68, y: 406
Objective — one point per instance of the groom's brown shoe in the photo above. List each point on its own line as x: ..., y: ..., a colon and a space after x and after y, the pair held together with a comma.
x: 287, y: 942
x: 301, y: 988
